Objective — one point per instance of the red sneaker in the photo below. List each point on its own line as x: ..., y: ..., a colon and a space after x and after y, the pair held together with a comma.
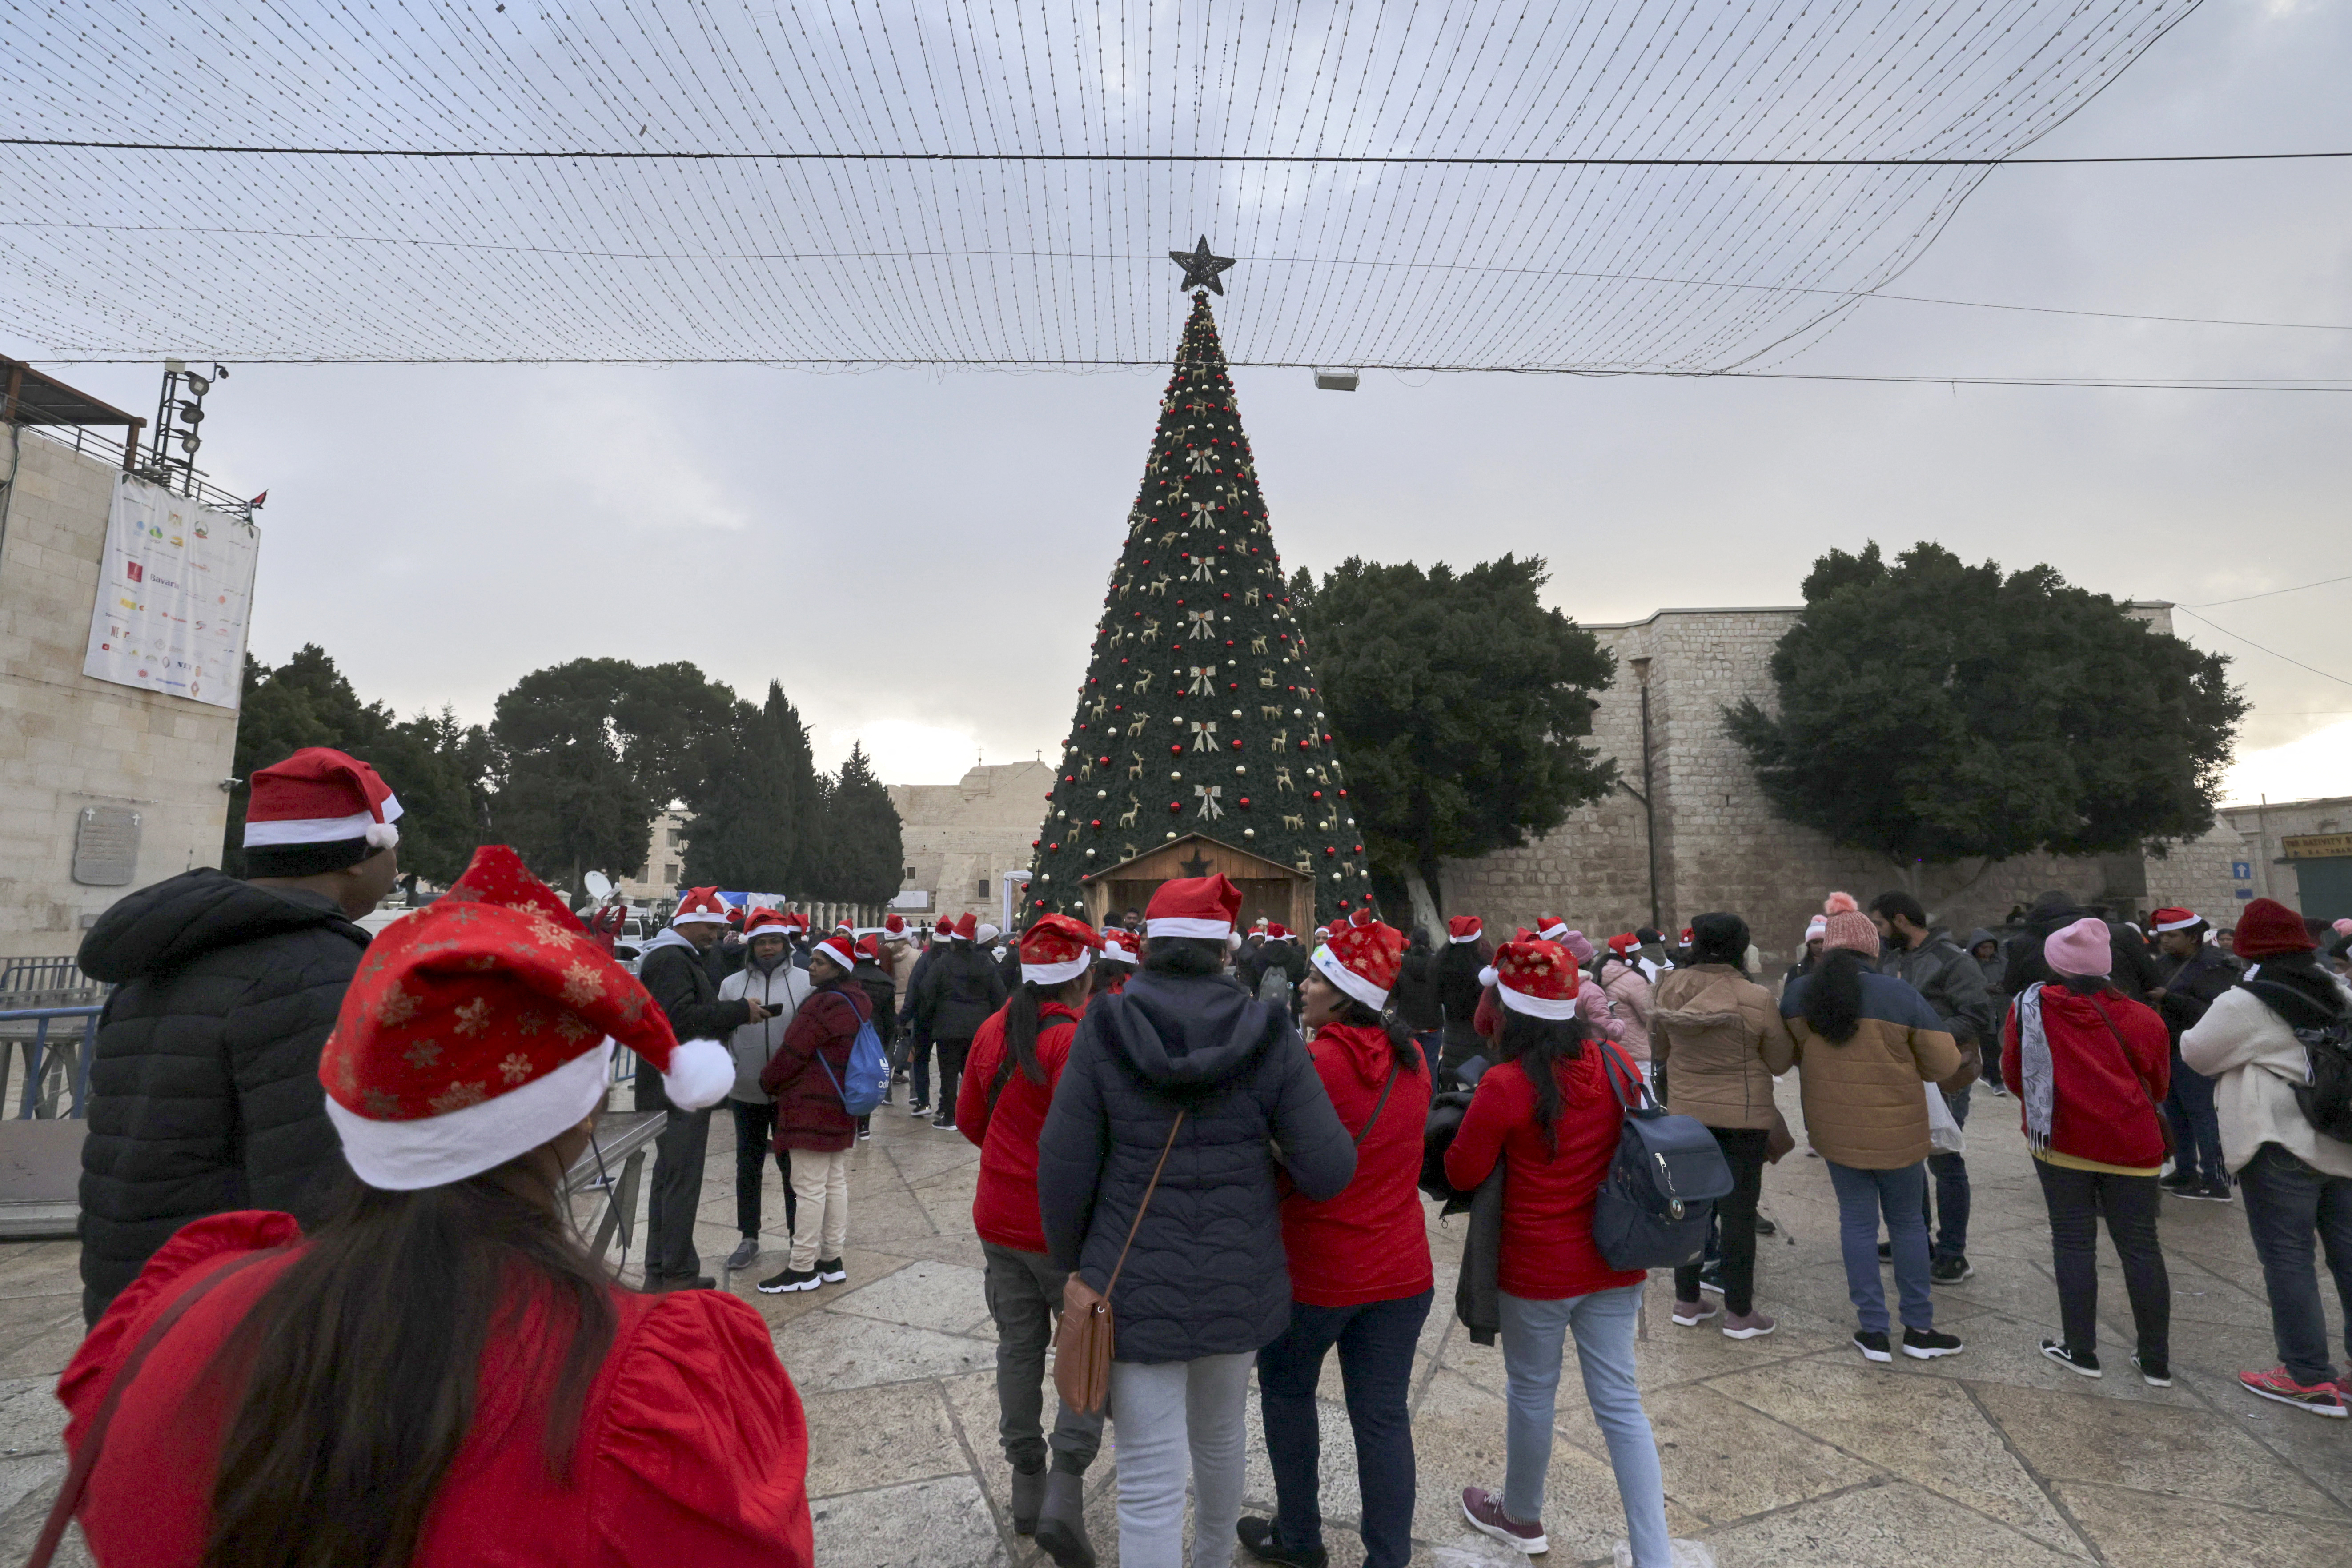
x: 1483, y: 1510
x: 2319, y: 1398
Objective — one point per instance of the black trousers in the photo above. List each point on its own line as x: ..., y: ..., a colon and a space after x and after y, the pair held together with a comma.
x: 676, y: 1190
x: 2077, y: 1201
x: 755, y: 1129
x: 951, y: 1055
x: 1735, y: 1215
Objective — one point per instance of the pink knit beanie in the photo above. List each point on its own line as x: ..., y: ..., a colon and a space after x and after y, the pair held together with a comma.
x: 1579, y: 945
x: 2083, y: 948
x: 1848, y: 927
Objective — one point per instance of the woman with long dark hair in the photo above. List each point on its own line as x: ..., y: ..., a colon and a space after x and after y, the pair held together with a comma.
x: 1155, y: 1151
x: 1457, y: 974
x: 1016, y: 1061
x: 1867, y: 1044
x: 1360, y: 1270
x: 2090, y: 1064
x: 1547, y: 1114
x: 442, y: 1365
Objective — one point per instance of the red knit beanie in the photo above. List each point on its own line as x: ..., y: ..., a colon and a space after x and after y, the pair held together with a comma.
x: 2269, y: 928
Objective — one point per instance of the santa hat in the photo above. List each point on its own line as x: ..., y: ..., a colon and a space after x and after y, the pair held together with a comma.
x: 894, y: 928
x: 844, y: 925
x: 1550, y: 928
x: 797, y: 921
x: 480, y: 1027
x: 1119, y: 945
x: 700, y: 906
x: 2175, y: 919
x: 1260, y: 924
x: 966, y: 926
x: 1687, y: 936
x: 1623, y: 944
x: 1465, y: 928
x: 1364, y: 917
x: 870, y: 947
x: 767, y: 922
x: 1537, y: 978
x: 1056, y: 950
x: 1277, y: 931
x: 735, y: 914
x: 2267, y: 928
x: 1322, y: 934
x: 1202, y: 906
x: 1362, y: 961
x: 319, y: 810
x: 837, y: 947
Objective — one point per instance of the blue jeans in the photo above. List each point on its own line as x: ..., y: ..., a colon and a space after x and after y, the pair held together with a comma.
x: 1902, y: 1194
x: 1603, y: 1325
x: 2196, y: 1124
x: 1376, y: 1341
x: 2294, y: 1210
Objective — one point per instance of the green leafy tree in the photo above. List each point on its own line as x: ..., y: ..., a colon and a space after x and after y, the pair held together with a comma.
x: 749, y: 811
x: 1457, y: 700
x: 861, y: 834
x: 1935, y: 711
x: 1200, y: 711
x: 442, y: 771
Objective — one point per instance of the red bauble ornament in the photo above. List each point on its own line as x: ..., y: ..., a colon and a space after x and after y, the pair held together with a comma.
x: 1053, y: 847
x: 1245, y: 803
x: 1330, y: 849
x: 1175, y: 806
x: 1318, y: 795
x: 1095, y: 822
x: 1360, y: 849
x: 1237, y: 745
x: 1177, y: 750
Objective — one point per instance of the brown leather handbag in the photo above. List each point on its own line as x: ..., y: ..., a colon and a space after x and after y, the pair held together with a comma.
x: 1085, y: 1338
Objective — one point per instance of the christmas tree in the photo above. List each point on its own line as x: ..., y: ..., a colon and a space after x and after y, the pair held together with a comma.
x: 1200, y: 711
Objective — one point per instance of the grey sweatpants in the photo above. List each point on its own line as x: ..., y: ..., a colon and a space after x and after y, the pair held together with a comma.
x: 1024, y: 1298
x: 1172, y: 1417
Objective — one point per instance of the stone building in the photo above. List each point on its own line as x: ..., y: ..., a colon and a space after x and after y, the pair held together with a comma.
x: 964, y: 841
x: 1689, y: 830
x: 104, y: 787
x: 2298, y: 852
x: 664, y: 856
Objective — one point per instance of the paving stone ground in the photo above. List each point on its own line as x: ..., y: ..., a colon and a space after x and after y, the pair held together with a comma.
x: 1788, y: 1450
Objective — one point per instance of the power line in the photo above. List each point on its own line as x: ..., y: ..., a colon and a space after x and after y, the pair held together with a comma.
x: 2260, y: 649
x: 2297, y: 588
x: 1407, y: 160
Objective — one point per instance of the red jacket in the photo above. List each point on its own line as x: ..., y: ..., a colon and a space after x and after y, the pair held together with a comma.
x: 1547, y: 1248
x: 692, y: 1445
x: 809, y: 1112
x: 1370, y: 1243
x: 1004, y: 1204
x: 2104, y: 1108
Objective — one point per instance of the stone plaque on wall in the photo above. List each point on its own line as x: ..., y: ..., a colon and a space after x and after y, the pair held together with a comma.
x: 105, y: 847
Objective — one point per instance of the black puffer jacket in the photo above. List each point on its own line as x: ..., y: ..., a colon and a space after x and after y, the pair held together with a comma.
x: 957, y: 993
x: 205, y: 1092
x: 677, y: 975
x: 1207, y: 1275
x: 1414, y: 995
x: 2134, y: 972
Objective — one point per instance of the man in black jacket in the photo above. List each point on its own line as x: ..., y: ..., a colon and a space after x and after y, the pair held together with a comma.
x: 204, y: 1093
x: 2197, y: 973
x: 1927, y: 960
x: 954, y: 997
x: 677, y: 972
x: 2134, y: 972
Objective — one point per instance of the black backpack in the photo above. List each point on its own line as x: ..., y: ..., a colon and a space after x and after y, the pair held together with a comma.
x: 2325, y: 1097
x: 1659, y: 1195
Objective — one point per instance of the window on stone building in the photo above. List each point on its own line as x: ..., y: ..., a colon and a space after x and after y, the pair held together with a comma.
x: 675, y: 836
x: 909, y: 875
x: 669, y: 873
x: 981, y: 891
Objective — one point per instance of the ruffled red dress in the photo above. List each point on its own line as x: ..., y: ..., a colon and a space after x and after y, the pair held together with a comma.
x: 693, y: 1447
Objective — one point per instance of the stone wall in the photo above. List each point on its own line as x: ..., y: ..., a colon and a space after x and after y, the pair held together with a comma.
x: 963, y: 836
x: 1719, y: 846
x: 2258, y: 829
x: 68, y: 740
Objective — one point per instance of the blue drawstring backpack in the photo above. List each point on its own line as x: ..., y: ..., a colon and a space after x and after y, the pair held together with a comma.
x: 869, y: 1072
x: 1655, y: 1204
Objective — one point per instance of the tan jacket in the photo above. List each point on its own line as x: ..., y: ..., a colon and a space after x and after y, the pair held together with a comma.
x: 1865, y: 1101
x: 1720, y: 1038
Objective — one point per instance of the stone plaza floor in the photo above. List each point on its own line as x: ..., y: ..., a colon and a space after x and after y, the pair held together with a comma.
x: 1788, y: 1450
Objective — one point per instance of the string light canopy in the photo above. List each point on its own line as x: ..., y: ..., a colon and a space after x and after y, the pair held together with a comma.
x: 1656, y: 186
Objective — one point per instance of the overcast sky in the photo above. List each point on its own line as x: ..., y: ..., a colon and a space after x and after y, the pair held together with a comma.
x: 920, y: 557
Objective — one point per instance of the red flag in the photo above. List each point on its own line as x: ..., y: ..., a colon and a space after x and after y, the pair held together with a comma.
x: 260, y: 498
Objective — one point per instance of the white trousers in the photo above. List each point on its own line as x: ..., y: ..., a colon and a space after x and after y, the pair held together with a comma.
x: 821, y: 1185
x: 1171, y: 1418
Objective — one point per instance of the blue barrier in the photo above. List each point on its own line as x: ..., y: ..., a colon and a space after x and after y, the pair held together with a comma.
x: 36, y: 1048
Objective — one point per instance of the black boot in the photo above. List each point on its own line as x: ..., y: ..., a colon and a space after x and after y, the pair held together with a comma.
x: 1028, y: 1497
x: 1062, y: 1522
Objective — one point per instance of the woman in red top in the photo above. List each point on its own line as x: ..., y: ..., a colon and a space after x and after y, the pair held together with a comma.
x: 812, y: 1120
x: 1360, y: 1273
x: 1008, y: 1083
x: 440, y: 1375
x: 2095, y: 1065
x: 1547, y: 1114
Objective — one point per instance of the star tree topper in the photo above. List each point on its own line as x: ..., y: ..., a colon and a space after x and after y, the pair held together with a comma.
x: 1201, y: 268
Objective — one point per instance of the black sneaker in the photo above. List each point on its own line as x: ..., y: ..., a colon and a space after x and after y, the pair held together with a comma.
x: 830, y: 1270
x: 944, y: 1122
x: 790, y: 1280
x: 1927, y: 1344
x: 2155, y: 1373
x: 1766, y: 1228
x: 1710, y: 1279
x: 2083, y: 1362
x: 745, y: 1251
x: 1949, y: 1270
x: 919, y: 1107
x: 1886, y: 1252
x: 1873, y: 1346
x: 2216, y: 1190
x: 1257, y: 1538
x: 2182, y: 1183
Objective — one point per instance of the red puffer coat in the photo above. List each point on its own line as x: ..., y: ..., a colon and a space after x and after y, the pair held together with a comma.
x: 809, y: 1112
x: 1370, y: 1242
x: 2105, y: 1087
x: 1004, y: 1205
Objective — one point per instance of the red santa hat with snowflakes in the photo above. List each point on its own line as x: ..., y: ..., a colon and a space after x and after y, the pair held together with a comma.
x: 480, y: 1027
x: 1362, y: 961
x: 319, y: 810
x: 1199, y: 907
x: 1056, y: 950
x: 1537, y: 978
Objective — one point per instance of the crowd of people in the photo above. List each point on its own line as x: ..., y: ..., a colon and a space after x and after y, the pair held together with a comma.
x: 339, y: 1313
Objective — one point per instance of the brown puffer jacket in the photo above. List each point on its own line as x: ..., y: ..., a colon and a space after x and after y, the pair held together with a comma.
x: 1864, y: 1103
x: 1720, y: 1037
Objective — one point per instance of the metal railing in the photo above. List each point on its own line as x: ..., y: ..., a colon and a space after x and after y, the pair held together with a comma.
x: 87, y: 440
x: 46, y: 983
x: 50, y: 1068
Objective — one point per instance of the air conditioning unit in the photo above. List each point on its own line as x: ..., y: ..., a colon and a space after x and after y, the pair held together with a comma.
x: 1336, y: 380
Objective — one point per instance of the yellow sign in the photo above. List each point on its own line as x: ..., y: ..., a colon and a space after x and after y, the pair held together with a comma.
x: 2316, y: 845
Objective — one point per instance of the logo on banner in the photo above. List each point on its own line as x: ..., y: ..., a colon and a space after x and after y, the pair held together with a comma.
x: 134, y: 571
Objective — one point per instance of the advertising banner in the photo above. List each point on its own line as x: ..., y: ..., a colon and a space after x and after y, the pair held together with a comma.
x: 174, y: 595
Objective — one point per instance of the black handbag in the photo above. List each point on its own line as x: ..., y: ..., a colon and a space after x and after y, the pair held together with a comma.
x: 1659, y: 1195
